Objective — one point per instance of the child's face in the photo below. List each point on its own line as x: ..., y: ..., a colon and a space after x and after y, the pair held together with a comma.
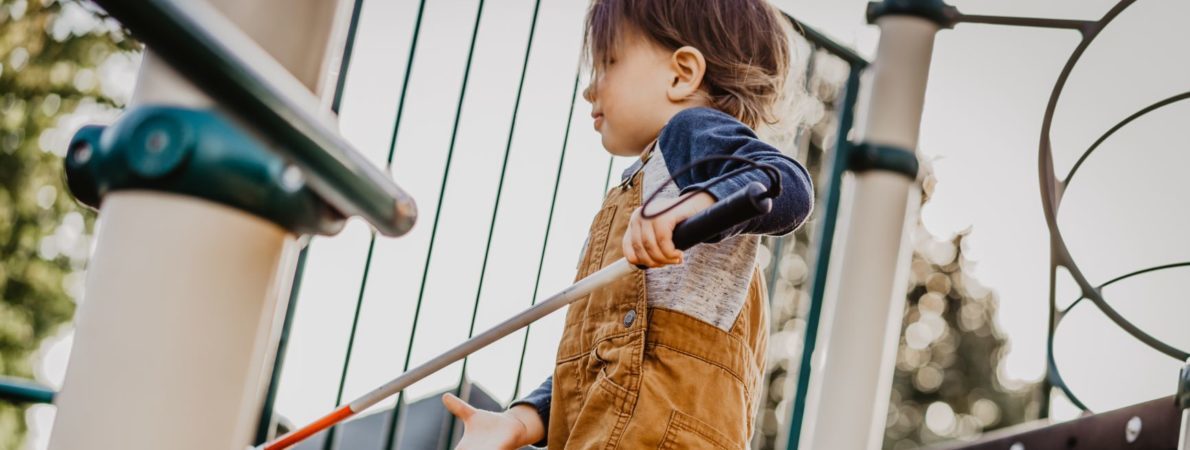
x: 629, y: 96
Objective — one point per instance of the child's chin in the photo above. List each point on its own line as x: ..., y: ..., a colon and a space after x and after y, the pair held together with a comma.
x: 618, y: 148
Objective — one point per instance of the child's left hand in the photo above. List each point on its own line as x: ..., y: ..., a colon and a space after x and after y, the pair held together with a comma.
x: 649, y: 242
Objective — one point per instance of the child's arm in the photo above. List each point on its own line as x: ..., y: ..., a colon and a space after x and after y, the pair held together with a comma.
x: 697, y: 133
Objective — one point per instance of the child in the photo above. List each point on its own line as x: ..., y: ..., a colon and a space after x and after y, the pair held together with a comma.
x: 672, y: 356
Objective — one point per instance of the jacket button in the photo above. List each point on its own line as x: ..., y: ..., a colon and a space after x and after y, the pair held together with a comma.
x: 629, y: 318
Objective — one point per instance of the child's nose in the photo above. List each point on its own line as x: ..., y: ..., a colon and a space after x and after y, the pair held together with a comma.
x: 589, y: 93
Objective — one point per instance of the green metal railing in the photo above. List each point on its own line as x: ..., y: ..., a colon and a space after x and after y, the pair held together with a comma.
x: 828, y: 211
x: 840, y: 162
x: 182, y: 33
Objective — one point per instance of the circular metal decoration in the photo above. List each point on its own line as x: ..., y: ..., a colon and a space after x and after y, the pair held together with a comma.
x: 1052, y: 190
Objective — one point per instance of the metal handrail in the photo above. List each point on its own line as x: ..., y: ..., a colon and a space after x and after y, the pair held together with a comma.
x: 24, y: 391
x: 230, y: 67
x: 822, y: 41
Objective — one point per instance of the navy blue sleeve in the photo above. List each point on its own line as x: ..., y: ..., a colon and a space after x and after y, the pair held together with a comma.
x: 699, y: 132
x: 540, y: 399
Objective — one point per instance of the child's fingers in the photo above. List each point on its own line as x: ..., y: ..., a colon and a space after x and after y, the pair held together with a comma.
x: 649, y: 240
x: 663, y: 231
x: 638, y: 247
x: 629, y: 253
x: 457, y: 406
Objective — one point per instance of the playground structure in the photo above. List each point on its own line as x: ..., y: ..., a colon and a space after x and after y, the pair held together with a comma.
x: 208, y: 86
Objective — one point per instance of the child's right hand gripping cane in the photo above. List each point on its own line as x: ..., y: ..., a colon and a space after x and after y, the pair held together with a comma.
x: 485, y: 430
x: 649, y: 242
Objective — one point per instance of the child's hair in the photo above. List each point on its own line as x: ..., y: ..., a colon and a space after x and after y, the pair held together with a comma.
x: 744, y: 44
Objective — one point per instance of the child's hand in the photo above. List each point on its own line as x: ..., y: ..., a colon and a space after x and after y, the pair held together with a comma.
x: 649, y: 242
x: 486, y: 430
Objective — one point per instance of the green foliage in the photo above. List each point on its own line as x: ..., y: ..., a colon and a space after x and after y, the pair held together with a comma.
x: 51, y: 58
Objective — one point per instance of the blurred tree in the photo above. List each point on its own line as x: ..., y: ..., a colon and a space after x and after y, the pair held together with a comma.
x: 948, y: 382
x: 56, y: 58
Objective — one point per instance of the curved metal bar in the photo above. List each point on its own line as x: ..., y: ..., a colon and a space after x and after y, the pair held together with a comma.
x: 1156, y: 344
x: 1136, y: 115
x: 1129, y: 275
x: 1054, y: 376
x: 1144, y: 271
x: 1051, y: 193
x: 1051, y: 190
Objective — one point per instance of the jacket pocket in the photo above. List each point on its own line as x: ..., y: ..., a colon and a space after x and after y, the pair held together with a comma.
x: 686, y: 432
x: 601, y: 419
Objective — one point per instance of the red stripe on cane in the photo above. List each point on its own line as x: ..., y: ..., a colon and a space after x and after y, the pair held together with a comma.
x: 301, y: 434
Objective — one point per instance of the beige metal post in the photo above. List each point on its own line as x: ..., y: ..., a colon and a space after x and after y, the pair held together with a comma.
x: 852, y: 365
x: 175, y: 337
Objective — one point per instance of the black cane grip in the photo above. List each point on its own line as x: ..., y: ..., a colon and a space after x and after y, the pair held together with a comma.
x: 744, y: 204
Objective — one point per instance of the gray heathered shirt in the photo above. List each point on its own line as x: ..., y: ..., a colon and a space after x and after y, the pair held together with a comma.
x: 712, y: 282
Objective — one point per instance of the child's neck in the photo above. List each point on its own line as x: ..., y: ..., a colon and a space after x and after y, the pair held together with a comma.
x: 648, y: 151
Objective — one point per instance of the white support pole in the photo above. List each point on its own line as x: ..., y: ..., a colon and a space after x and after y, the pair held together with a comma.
x: 184, y: 297
x: 852, y: 366
x: 1183, y: 390
x: 1184, y: 436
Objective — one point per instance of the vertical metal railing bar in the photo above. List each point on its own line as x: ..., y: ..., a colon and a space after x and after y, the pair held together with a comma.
x: 839, y: 163
x: 516, y: 390
x: 516, y: 107
x: 778, y: 242
x: 607, y: 184
x: 778, y: 251
x: 330, y: 443
x: 392, y: 145
x: 348, y: 50
x: 397, y: 422
x: 266, y: 417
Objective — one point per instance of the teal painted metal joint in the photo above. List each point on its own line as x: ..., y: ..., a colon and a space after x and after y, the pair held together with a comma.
x: 865, y: 157
x: 21, y: 391
x: 936, y: 11
x: 196, y: 153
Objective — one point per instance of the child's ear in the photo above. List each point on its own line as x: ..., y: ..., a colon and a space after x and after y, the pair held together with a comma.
x: 688, y: 67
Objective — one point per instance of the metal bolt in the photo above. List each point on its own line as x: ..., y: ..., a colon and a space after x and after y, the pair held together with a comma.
x: 82, y: 152
x: 157, y: 141
x: 292, y: 178
x: 1017, y: 446
x: 1132, y: 430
